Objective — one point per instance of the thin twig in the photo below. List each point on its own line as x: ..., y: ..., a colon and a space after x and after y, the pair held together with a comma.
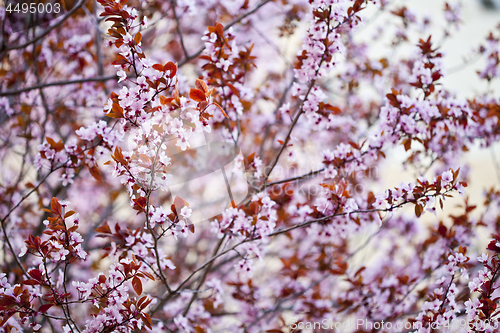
x: 197, y: 53
x: 178, y: 27
x: 204, y: 276
x: 301, y: 109
x: 278, y: 106
x: 58, y: 83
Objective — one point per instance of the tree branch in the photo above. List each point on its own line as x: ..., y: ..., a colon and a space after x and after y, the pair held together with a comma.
x: 58, y: 83
x: 178, y: 28
x: 195, y: 55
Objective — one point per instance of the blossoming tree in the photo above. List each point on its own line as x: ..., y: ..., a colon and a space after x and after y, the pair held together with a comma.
x: 99, y: 110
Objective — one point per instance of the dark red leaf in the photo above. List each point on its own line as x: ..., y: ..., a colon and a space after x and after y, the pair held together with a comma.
x: 197, y: 95
x: 418, y: 210
x: 104, y: 228
x: 44, y: 308
x: 31, y: 282
x: 158, y: 67
x: 148, y: 322
x: 170, y: 66
x: 55, y: 206
x: 94, y: 171
x: 137, y: 284
x: 35, y: 274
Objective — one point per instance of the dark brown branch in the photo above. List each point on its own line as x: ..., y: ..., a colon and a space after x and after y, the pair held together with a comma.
x: 304, y: 176
x: 238, y: 20
x: 58, y: 83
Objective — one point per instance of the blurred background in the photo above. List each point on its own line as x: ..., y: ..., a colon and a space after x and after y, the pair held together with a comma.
x: 479, y: 18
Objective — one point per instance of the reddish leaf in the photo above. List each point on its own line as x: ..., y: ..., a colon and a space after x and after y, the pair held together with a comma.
x: 36, y: 274
x: 94, y: 171
x: 116, y: 111
x: 442, y: 229
x: 158, y: 67
x: 249, y: 159
x: 163, y: 100
x: 139, y: 303
x: 233, y: 89
x: 68, y: 214
x: 140, y: 204
x: 407, y: 144
x: 120, y: 61
x: 197, y: 95
x: 50, y: 141
x: 149, y: 276
x: 104, y: 228
x: 170, y: 66
x: 219, y: 28
x: 224, y: 113
x: 148, y: 322
x: 359, y: 271
x: 371, y: 198
x: 119, y: 156
x: 114, y: 115
x: 44, y: 308
x: 57, y: 146
x: 333, y: 109
x: 393, y: 99
x: 31, y: 282
x: 117, y: 108
x: 201, y: 85
x: 254, y: 207
x: 112, y: 32
x: 138, y: 38
x: 179, y: 203
x: 137, y: 284
x: 55, y: 206
x: 156, y: 108
x: 102, y: 278
x: 418, y: 210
